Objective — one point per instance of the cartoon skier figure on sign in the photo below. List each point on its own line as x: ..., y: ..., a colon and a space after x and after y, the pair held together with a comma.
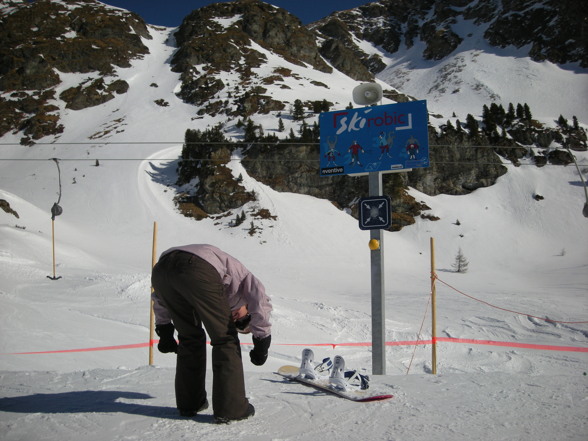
x: 412, y: 147
x: 385, y: 144
x: 355, y: 148
x: 330, y: 154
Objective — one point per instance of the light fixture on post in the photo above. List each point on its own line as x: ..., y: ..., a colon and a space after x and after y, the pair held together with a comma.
x: 367, y: 94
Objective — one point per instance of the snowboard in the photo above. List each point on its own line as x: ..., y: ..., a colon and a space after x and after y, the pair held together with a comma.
x: 359, y: 395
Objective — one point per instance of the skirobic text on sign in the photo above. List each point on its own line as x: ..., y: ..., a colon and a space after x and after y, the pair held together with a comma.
x: 357, y: 123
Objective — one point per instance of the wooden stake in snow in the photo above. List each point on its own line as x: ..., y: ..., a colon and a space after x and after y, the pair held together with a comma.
x: 151, y: 313
x: 433, y: 310
x: 56, y: 210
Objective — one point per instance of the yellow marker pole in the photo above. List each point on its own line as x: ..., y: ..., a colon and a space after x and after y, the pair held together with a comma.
x: 151, y: 313
x: 53, y: 244
x: 434, y: 309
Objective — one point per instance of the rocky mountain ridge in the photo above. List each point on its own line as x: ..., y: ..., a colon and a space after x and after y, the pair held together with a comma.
x: 223, y: 57
x: 44, y: 38
x: 551, y: 29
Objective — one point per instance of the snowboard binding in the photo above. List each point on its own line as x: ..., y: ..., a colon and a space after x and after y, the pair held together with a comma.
x: 337, y: 378
x: 307, y: 367
x: 334, y: 370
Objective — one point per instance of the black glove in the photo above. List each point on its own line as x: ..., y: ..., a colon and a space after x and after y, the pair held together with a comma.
x: 258, y: 354
x: 167, y: 342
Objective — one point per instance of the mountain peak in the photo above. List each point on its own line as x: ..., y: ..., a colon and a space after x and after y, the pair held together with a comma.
x: 248, y: 58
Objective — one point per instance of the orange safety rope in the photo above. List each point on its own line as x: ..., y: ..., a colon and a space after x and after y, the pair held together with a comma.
x: 505, y: 309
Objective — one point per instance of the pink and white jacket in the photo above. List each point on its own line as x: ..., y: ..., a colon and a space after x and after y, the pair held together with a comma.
x: 241, y: 288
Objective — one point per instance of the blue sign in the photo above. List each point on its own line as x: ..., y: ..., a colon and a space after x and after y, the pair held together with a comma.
x: 374, y: 213
x: 371, y: 139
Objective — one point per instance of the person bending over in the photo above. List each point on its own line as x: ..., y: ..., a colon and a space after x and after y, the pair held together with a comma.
x: 200, y: 286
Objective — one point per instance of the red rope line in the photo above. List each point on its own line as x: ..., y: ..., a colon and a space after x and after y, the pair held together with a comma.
x: 343, y: 344
x: 504, y: 309
x: 418, y: 336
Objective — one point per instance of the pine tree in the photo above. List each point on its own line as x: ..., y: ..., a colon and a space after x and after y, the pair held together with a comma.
x: 280, y: 125
x: 458, y: 127
x: 306, y: 133
x: 303, y: 128
x: 527, y: 109
x: 239, y: 219
x: 520, y: 111
x: 320, y: 106
x: 298, y: 112
x: 250, y: 131
x: 486, y: 115
x: 497, y: 113
x: 461, y: 263
x: 510, y: 115
x: 316, y: 132
x: 472, y: 125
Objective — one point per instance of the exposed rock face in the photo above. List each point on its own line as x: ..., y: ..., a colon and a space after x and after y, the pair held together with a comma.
x: 341, y: 51
x: 43, y: 38
x: 458, y: 166
x: 222, y: 38
x: 92, y: 93
x: 5, y: 205
x: 204, y: 159
x: 294, y: 169
x: 553, y: 29
x: 205, y: 31
x: 556, y: 30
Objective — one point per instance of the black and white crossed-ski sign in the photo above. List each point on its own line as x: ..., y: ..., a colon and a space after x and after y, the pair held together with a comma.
x: 374, y: 213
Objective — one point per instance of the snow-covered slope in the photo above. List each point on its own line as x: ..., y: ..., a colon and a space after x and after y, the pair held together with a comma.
x: 524, y: 255
x: 477, y: 74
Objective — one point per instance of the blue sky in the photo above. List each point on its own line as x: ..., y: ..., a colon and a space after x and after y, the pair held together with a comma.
x: 172, y: 12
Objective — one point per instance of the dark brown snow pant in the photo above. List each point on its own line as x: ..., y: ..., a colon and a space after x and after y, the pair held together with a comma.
x: 192, y: 291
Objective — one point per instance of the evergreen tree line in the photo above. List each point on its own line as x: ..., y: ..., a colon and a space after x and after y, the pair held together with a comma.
x: 495, y: 118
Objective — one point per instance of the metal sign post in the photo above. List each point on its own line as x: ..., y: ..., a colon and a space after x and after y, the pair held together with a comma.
x: 378, y: 303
